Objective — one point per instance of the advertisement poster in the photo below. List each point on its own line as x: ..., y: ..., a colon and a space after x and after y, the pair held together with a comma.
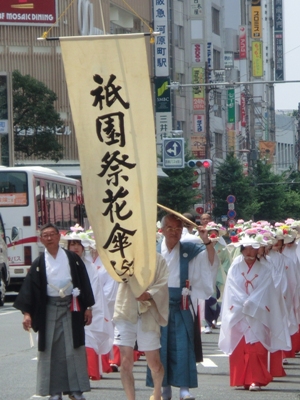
x: 28, y: 12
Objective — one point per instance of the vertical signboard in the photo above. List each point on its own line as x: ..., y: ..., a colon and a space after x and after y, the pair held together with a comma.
x: 196, y: 7
x: 198, y: 146
x: 198, y: 53
x: 163, y: 116
x: 162, y: 41
x: 257, y: 59
x: 231, y: 139
x: 242, y: 42
x: 278, y: 40
x: 228, y: 59
x: 162, y: 94
x: 243, y: 109
x: 230, y: 106
x: 199, y: 124
x: 198, y: 76
x: 210, y: 63
x: 256, y: 23
x: 278, y: 21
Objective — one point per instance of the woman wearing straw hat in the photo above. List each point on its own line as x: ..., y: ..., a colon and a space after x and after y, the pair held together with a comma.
x: 251, y: 309
x: 99, y: 334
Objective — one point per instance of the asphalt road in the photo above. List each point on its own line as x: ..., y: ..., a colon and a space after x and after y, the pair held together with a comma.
x: 18, y: 371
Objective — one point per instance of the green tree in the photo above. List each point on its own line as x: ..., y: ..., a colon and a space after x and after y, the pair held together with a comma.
x: 270, y: 192
x: 176, y: 191
x: 291, y: 207
x: 231, y: 180
x: 35, y: 118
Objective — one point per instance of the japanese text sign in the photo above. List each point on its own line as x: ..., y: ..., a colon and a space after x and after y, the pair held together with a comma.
x: 115, y: 134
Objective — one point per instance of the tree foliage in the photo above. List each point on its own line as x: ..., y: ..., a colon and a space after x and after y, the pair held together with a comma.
x: 263, y: 195
x: 176, y: 191
x: 230, y: 180
x: 35, y: 118
x: 270, y: 192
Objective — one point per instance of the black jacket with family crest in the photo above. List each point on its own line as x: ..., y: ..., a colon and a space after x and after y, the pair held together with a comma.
x: 32, y: 298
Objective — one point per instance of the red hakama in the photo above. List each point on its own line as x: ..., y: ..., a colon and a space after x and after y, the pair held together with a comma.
x: 248, y: 364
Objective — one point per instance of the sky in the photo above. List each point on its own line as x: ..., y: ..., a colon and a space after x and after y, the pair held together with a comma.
x: 287, y: 95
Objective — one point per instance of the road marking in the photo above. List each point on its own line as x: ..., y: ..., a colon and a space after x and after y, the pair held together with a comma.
x: 8, y: 312
x: 217, y: 355
x: 207, y: 362
x: 34, y: 359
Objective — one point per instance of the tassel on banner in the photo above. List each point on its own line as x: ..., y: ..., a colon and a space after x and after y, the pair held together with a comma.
x: 75, y: 303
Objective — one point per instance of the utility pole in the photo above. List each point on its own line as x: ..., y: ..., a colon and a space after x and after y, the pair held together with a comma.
x: 298, y: 138
x: 208, y: 172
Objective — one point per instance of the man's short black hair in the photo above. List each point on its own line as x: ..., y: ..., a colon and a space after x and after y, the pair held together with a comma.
x: 49, y: 225
x: 189, y: 216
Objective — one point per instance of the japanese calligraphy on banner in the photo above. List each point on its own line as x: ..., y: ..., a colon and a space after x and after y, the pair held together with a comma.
x: 198, y: 76
x: 160, y: 11
x: 115, y: 134
x: 30, y: 13
x: 257, y: 59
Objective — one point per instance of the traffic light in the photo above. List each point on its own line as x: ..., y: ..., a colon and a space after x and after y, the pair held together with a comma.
x: 206, y: 163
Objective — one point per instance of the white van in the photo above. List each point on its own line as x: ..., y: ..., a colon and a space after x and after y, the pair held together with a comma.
x: 4, y: 270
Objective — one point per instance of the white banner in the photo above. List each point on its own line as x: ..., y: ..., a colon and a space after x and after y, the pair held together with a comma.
x: 110, y: 95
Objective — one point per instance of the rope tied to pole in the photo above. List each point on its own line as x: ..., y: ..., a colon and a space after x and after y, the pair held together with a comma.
x: 45, y: 34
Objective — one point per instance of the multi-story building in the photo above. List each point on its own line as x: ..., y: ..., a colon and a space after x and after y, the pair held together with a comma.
x: 202, y: 41
x: 20, y: 49
x: 287, y: 144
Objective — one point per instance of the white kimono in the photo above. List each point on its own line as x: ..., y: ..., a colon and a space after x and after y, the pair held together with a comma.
x: 285, y: 280
x: 253, y: 308
x: 99, y: 334
x: 110, y: 286
x: 202, y: 275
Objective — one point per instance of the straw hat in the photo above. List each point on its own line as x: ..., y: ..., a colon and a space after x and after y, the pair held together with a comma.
x: 254, y: 237
x: 284, y: 232
x: 212, y: 226
x: 77, y: 233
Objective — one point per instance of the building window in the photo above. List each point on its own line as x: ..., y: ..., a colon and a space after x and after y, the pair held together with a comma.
x: 179, y: 36
x: 217, y: 59
x: 218, y: 145
x: 217, y: 107
x: 215, y: 21
x: 116, y: 29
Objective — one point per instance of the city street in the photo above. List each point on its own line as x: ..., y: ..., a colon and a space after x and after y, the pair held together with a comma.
x: 18, y: 371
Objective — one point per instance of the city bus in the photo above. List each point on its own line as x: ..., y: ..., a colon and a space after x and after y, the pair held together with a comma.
x: 29, y: 198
